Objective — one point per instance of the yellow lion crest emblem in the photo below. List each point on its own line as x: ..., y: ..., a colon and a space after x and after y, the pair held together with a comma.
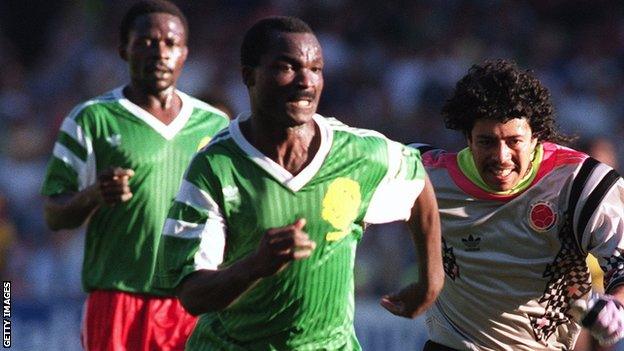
x: 341, y: 205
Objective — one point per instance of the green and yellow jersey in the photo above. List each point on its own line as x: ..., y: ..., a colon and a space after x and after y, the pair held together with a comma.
x: 232, y: 194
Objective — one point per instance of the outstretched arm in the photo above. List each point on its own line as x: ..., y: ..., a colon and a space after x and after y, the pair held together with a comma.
x: 424, y: 224
x: 212, y: 290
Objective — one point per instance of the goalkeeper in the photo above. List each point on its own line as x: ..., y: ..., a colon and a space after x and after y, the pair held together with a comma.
x: 519, y: 215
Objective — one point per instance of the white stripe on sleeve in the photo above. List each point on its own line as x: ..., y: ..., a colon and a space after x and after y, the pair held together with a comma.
x: 86, y: 171
x: 191, y: 195
x: 393, y: 201
x: 395, y: 196
x: 212, y: 246
x: 69, y: 158
x: 71, y: 128
x: 211, y: 233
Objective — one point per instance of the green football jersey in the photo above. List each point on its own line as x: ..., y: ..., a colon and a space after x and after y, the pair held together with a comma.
x: 111, y: 131
x: 232, y: 194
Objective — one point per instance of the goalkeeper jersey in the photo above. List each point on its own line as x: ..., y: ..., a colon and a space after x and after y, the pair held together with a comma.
x: 232, y: 194
x: 111, y: 131
x: 514, y: 263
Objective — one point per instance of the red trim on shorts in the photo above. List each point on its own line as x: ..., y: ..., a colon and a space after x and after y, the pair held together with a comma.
x: 120, y: 321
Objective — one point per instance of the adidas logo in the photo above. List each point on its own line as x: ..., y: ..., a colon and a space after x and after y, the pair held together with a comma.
x: 230, y: 193
x: 471, y: 243
x: 114, y: 140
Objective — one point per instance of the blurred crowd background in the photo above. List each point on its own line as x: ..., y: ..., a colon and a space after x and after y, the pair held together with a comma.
x: 389, y: 66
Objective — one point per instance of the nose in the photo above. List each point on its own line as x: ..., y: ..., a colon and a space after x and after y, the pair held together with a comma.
x: 306, y: 78
x: 502, y: 152
x: 160, y: 49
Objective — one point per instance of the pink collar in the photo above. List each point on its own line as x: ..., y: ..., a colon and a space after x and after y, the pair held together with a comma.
x: 554, y: 156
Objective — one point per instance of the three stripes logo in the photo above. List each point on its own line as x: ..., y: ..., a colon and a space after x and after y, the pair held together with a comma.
x: 471, y: 243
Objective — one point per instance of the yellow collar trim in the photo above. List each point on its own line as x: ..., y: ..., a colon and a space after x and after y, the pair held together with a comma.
x: 466, y: 164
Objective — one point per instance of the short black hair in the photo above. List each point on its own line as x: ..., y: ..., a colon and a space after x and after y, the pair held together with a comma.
x: 259, y: 37
x: 146, y: 7
x: 500, y: 91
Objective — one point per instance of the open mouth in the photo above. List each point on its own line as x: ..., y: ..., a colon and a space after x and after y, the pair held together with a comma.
x: 499, y: 175
x: 302, y: 103
x: 303, y: 100
x: 501, y: 172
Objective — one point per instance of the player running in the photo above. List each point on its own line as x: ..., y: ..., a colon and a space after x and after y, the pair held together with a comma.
x: 261, y: 238
x: 117, y: 164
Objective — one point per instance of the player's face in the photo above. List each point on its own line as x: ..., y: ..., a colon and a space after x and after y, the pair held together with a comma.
x: 155, y: 52
x: 502, y: 151
x: 286, y: 86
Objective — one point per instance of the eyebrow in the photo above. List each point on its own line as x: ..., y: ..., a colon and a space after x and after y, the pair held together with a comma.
x: 294, y: 58
x: 284, y: 57
x: 489, y: 136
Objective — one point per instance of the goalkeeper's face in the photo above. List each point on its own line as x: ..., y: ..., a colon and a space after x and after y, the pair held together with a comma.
x: 502, y: 151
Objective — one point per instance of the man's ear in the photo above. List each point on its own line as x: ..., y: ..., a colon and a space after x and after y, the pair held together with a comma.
x: 248, y: 76
x: 534, y: 142
x: 184, y: 53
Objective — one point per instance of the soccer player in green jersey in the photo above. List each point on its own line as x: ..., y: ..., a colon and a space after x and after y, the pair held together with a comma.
x: 261, y: 238
x: 117, y: 165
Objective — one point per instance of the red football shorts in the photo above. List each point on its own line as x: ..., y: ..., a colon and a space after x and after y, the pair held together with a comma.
x: 120, y: 321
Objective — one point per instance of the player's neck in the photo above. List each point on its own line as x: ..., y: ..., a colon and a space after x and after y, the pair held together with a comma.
x: 293, y: 148
x: 164, y: 105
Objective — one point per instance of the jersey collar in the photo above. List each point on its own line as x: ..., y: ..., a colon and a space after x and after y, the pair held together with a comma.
x: 467, y: 165
x: 292, y: 182
x: 554, y: 156
x: 167, y: 131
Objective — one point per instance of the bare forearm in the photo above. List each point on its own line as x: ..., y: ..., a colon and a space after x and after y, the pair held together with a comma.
x: 424, y: 224
x: 425, y: 227
x: 206, y: 291
x: 71, y: 210
x: 431, y: 271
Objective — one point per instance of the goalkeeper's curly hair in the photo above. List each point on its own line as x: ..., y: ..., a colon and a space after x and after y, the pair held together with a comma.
x: 500, y: 91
